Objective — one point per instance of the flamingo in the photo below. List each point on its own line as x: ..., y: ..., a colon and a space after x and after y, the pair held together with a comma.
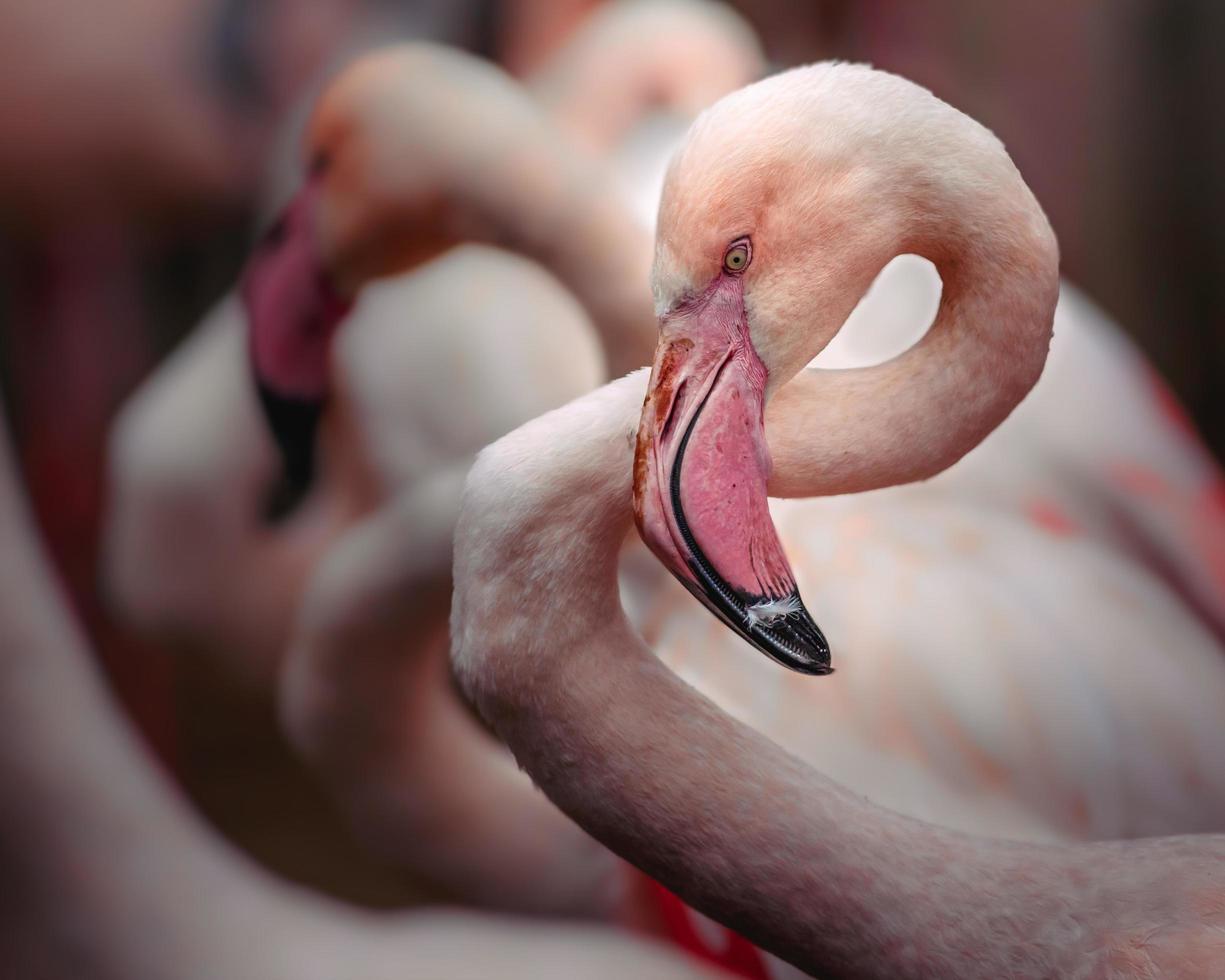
x: 365, y: 709
x: 188, y: 455
x: 363, y: 216
x: 109, y: 874
x: 364, y: 692
x: 370, y: 117
x: 635, y: 74
x: 632, y: 57
x: 785, y: 202
x: 381, y: 473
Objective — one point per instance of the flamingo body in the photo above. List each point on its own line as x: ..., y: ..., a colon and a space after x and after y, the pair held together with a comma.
x: 745, y: 831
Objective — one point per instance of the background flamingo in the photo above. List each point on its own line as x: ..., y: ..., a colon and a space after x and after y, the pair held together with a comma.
x: 629, y: 81
x: 396, y: 380
x: 376, y: 727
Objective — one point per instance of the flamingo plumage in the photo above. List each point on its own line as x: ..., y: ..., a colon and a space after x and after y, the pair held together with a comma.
x: 827, y: 173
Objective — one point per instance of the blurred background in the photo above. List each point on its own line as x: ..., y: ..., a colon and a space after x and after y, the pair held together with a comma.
x: 137, y: 142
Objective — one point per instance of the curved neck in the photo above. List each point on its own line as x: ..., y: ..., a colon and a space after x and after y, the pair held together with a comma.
x: 582, y: 230
x: 845, y: 431
x: 736, y: 826
x: 534, y: 195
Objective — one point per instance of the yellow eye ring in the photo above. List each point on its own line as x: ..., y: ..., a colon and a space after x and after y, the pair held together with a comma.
x: 737, y: 257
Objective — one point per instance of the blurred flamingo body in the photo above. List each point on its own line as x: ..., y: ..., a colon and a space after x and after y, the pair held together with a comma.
x: 408, y: 405
x: 107, y: 870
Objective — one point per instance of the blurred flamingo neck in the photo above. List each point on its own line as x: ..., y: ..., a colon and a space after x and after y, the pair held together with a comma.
x: 565, y: 212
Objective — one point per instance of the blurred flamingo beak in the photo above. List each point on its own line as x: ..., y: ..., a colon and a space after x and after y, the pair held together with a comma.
x: 292, y: 313
x: 700, y: 472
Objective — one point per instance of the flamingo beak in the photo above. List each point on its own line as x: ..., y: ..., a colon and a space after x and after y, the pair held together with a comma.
x: 292, y: 312
x: 700, y: 472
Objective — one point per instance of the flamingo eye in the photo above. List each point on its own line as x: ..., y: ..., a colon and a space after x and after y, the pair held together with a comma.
x: 738, y: 256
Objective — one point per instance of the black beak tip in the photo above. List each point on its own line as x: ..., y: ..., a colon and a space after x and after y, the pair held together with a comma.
x: 293, y: 423
x: 813, y: 668
x: 794, y: 640
x: 813, y: 661
x: 284, y: 498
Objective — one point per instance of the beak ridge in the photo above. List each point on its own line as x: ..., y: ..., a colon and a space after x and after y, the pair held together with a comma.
x: 700, y: 486
x: 779, y: 625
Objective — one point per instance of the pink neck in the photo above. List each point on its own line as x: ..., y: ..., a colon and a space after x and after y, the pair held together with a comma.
x: 737, y: 827
x: 88, y: 823
x: 846, y: 431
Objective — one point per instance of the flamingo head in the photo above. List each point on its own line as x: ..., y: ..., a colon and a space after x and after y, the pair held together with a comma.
x: 362, y: 213
x: 763, y: 209
x: 700, y: 471
x: 701, y: 466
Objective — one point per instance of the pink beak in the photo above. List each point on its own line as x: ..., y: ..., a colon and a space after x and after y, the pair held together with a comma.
x: 700, y: 472
x: 292, y: 313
